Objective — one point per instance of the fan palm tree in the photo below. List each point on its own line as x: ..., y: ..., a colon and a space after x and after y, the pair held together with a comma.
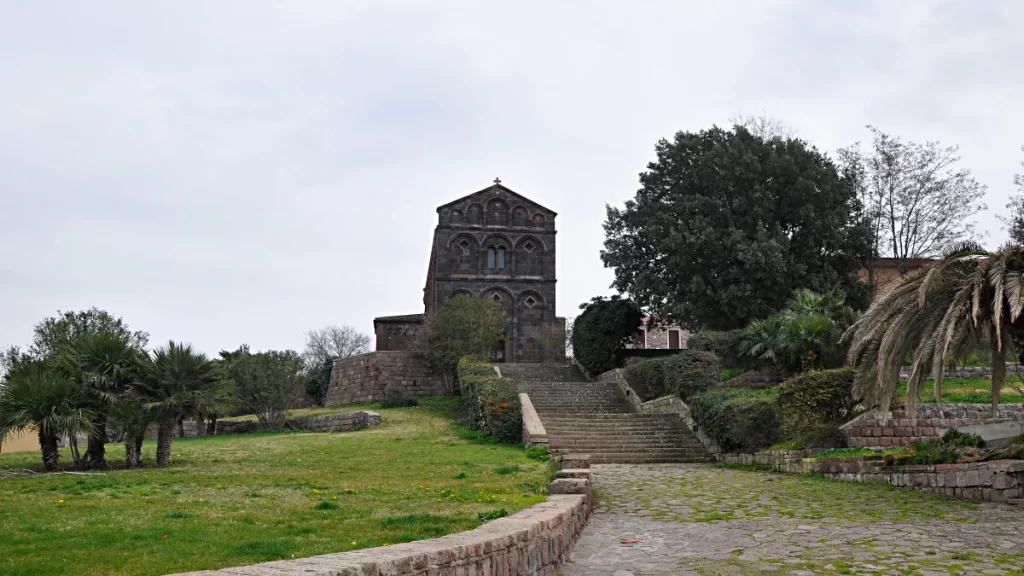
x: 803, y: 336
x: 179, y: 382
x: 130, y: 418
x: 968, y: 298
x: 106, y: 363
x: 41, y: 398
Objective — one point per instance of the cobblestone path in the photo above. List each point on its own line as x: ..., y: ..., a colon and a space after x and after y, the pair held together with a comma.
x: 697, y: 519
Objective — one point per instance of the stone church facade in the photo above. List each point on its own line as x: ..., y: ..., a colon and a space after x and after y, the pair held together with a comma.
x: 493, y: 244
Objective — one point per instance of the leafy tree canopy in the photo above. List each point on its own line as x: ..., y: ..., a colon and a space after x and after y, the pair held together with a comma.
x: 52, y: 335
x: 727, y: 225
x: 604, y: 326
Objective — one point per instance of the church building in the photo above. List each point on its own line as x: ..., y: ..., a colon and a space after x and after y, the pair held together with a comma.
x: 494, y: 244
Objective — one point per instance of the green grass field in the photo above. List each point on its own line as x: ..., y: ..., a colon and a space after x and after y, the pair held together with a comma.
x: 244, y: 499
x: 968, y: 391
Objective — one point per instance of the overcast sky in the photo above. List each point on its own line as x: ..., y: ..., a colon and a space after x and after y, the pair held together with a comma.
x: 226, y: 172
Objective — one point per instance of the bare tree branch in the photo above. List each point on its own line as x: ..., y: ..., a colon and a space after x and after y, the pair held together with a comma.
x: 763, y: 126
x: 918, y: 202
x: 333, y: 342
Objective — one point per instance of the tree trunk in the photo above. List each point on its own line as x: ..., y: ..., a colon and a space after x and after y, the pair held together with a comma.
x: 200, y: 425
x: 998, y: 374
x: 211, y: 425
x: 51, y: 455
x: 132, y: 452
x: 96, y: 453
x: 164, y: 437
x: 181, y: 427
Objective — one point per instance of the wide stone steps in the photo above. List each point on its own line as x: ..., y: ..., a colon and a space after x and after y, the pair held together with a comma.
x: 582, y: 417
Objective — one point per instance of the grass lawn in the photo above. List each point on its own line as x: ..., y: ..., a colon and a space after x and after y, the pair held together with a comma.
x: 967, y: 391
x: 250, y: 498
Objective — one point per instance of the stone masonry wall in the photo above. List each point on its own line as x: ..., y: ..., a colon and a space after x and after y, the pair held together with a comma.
x: 329, y: 423
x: 996, y: 481
x: 872, y: 431
x: 970, y: 372
x: 363, y: 378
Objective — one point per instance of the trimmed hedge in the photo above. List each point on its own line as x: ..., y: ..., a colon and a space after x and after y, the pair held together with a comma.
x: 724, y: 344
x: 684, y: 374
x: 739, y: 420
x: 491, y: 403
x: 814, y: 404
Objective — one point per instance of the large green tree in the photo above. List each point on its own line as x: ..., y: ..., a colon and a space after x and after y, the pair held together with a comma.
x: 727, y: 225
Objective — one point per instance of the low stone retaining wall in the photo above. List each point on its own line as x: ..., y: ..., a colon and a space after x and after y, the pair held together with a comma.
x: 532, y: 542
x: 534, y: 433
x: 363, y: 378
x: 663, y: 405
x: 873, y: 431
x: 328, y: 423
x: 996, y: 481
x: 969, y: 372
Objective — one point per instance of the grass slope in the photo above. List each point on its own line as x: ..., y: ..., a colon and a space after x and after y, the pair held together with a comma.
x: 244, y: 499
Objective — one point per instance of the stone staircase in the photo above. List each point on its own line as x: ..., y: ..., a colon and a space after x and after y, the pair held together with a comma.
x: 583, y: 417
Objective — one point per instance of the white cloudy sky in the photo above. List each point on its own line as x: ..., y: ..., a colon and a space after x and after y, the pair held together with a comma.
x: 227, y: 172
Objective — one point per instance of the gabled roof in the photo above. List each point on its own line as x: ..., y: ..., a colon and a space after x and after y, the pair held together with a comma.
x: 492, y: 188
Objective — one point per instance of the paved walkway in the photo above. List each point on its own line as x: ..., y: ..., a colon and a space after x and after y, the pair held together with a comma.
x: 696, y: 519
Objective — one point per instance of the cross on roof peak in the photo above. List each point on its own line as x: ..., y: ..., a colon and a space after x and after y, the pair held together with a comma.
x: 497, y: 180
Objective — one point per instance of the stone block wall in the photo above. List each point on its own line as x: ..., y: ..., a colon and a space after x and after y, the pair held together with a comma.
x: 532, y: 542
x: 970, y: 372
x: 363, y: 378
x: 328, y: 423
x: 871, y: 430
x: 996, y: 481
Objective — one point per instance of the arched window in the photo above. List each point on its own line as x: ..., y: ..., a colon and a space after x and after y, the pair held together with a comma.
x: 495, y: 258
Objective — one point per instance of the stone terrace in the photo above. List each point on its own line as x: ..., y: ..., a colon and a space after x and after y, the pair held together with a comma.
x: 685, y: 519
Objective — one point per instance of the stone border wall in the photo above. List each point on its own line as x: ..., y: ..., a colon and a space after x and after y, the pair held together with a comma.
x: 328, y: 423
x: 532, y: 542
x: 363, y: 378
x: 534, y: 433
x: 970, y: 372
x: 872, y: 431
x: 662, y: 405
x: 996, y: 481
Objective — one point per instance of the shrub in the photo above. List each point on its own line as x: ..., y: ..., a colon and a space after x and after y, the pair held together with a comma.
x: 814, y: 404
x: 491, y: 403
x: 946, y: 450
x: 684, y: 374
x: 724, y: 344
x: 604, y: 326
x: 503, y: 414
x: 396, y: 397
x: 539, y: 453
x: 319, y: 382
x: 738, y: 419
x: 465, y: 326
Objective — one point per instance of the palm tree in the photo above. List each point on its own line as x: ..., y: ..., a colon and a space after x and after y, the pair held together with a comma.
x: 130, y: 418
x: 803, y: 336
x: 41, y: 398
x: 181, y: 382
x: 106, y: 363
x: 968, y: 298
